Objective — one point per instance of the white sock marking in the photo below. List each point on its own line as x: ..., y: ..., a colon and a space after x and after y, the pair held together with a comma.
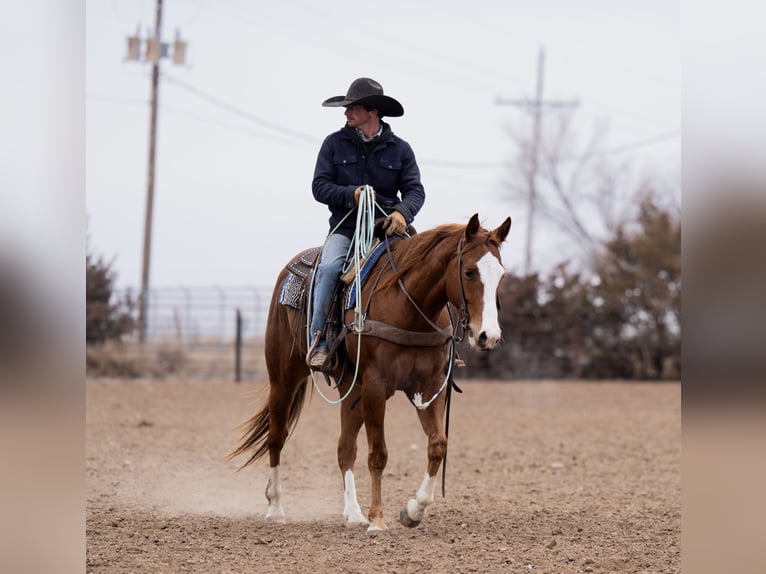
x: 351, y: 509
x: 275, y: 512
x: 424, y: 497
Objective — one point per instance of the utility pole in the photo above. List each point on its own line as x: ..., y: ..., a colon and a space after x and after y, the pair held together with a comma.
x: 144, y: 302
x: 536, y: 108
x: 155, y: 51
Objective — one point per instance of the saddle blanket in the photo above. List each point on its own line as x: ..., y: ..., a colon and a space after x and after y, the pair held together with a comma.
x: 364, y: 272
x: 292, y: 292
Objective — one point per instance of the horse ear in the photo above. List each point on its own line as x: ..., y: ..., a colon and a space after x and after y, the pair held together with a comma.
x: 472, y: 227
x: 502, y: 232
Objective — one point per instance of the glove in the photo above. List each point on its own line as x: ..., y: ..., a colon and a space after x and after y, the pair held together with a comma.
x: 357, y: 192
x: 395, y: 224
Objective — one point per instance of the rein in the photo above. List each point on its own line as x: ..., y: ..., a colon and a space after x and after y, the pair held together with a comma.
x: 456, y: 332
x: 453, y: 333
x: 458, y: 327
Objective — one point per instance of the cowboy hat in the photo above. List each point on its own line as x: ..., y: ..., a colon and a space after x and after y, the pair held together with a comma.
x: 369, y: 93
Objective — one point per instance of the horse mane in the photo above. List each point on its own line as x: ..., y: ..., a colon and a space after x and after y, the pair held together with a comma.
x: 418, y: 250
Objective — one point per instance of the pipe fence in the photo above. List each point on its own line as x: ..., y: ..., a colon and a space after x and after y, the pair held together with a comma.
x: 192, y: 332
x: 217, y: 333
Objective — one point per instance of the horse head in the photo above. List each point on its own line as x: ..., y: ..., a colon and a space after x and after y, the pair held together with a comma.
x: 480, y: 270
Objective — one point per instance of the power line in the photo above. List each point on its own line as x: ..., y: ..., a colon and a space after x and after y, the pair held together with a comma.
x: 659, y: 138
x: 245, y: 130
x: 282, y: 130
x: 434, y: 163
x: 118, y: 100
x: 198, y: 117
x: 623, y: 148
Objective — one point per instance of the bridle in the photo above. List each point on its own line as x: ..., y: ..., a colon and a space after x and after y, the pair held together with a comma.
x: 461, y: 312
x: 460, y: 321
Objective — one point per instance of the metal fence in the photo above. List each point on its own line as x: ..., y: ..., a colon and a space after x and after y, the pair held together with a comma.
x: 217, y: 333
x: 192, y: 332
x: 193, y: 313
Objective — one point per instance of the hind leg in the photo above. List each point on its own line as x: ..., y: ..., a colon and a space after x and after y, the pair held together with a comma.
x: 285, y: 398
x: 350, y: 424
x: 275, y: 512
x: 278, y: 431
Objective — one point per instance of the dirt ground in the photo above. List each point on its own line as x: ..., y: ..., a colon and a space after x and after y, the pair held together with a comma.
x: 554, y: 477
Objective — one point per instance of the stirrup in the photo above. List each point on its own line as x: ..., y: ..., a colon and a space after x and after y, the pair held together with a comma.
x: 317, y: 360
x: 312, y: 348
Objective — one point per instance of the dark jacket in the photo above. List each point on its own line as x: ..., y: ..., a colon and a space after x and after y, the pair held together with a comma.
x: 387, y: 163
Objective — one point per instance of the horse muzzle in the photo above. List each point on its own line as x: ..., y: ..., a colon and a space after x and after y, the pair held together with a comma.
x: 486, y: 341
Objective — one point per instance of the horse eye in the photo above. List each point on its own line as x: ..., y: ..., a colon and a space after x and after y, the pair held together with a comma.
x: 470, y: 273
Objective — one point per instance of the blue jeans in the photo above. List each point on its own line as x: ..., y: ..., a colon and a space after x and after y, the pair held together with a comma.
x: 328, y: 274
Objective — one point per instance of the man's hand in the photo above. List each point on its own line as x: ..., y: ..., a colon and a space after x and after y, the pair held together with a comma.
x: 395, y: 224
x: 358, y: 191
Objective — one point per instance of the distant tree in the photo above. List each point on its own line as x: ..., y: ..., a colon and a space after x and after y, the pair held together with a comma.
x: 580, y: 192
x: 105, y: 318
x: 638, y: 297
x: 620, y: 320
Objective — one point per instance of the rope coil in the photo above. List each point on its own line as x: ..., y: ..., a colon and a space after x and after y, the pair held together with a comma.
x: 360, y: 248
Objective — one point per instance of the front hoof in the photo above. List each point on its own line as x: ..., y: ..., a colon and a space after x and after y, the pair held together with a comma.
x: 405, y: 519
x: 376, y: 526
x: 355, y: 520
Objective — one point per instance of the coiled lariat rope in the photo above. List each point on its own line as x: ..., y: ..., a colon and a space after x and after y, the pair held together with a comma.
x: 360, y: 248
x: 362, y: 245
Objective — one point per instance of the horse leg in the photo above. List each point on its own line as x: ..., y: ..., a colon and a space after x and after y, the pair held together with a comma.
x: 431, y: 419
x: 374, y: 404
x: 286, y: 396
x: 350, y: 423
x: 278, y: 431
x: 275, y: 512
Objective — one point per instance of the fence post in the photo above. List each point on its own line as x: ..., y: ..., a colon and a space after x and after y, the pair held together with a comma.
x: 238, y: 349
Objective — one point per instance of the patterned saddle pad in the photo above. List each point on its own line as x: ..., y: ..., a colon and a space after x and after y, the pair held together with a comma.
x: 292, y: 293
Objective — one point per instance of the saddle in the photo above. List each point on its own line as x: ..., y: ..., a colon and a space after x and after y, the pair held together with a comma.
x: 304, y: 262
x: 294, y: 288
x: 292, y: 293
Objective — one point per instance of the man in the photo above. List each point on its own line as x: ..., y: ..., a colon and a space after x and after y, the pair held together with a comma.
x: 364, y: 152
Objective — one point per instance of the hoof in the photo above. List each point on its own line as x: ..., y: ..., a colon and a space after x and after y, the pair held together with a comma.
x: 405, y: 519
x: 354, y: 521
x: 376, y: 527
x: 276, y: 519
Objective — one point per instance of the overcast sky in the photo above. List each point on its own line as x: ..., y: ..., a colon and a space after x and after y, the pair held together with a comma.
x: 240, y: 125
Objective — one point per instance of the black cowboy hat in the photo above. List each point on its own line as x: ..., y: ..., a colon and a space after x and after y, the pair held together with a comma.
x: 369, y: 93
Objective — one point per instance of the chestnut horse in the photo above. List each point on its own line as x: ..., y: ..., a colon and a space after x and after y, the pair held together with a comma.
x: 406, y: 299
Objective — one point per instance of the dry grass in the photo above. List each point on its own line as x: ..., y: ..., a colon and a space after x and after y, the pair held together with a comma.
x: 199, y: 359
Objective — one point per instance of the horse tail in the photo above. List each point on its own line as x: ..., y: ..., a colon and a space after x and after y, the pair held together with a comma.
x: 255, y: 435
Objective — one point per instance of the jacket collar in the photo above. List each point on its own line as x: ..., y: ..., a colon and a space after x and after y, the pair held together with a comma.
x: 385, y: 133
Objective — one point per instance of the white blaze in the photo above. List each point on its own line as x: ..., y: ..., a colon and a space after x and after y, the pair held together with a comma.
x: 490, y: 272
